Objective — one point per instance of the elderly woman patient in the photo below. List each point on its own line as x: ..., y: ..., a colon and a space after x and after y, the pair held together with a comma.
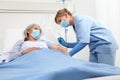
x: 33, y: 41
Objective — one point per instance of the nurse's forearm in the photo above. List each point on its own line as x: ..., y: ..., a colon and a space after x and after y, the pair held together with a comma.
x: 71, y: 45
x: 77, y: 48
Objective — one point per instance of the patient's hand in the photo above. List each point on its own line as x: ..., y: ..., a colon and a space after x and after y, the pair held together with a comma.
x: 30, y: 49
x: 60, y: 48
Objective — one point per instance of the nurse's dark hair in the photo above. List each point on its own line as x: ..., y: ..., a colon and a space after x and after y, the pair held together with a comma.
x: 61, y: 12
x: 26, y: 35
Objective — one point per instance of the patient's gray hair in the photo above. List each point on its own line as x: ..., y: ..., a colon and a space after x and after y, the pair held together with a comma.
x: 27, y: 29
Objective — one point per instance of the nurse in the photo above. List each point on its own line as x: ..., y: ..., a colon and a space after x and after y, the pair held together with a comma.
x: 89, y: 32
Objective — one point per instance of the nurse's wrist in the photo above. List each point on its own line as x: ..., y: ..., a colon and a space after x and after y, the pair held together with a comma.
x: 67, y: 45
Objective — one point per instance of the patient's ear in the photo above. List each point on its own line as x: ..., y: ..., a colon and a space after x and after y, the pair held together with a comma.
x: 28, y: 32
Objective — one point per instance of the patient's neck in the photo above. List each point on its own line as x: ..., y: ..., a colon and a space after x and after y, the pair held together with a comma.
x: 31, y: 39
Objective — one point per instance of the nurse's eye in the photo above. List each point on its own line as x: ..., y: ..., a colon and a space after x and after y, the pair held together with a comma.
x: 36, y: 28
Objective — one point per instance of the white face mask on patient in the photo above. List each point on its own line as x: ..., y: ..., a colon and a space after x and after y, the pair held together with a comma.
x: 36, y: 34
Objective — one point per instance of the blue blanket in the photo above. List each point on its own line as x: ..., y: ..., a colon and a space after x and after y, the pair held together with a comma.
x: 46, y: 64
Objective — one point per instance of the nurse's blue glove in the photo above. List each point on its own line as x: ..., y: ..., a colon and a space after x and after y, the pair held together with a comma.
x: 62, y: 41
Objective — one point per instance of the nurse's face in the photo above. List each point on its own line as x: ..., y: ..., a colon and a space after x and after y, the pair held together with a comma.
x: 64, y: 21
x: 65, y: 17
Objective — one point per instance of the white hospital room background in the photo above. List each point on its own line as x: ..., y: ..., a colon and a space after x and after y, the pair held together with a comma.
x: 15, y: 15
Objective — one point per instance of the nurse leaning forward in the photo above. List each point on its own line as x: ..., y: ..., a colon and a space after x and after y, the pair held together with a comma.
x: 88, y: 31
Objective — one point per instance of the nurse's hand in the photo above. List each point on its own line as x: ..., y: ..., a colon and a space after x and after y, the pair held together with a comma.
x: 62, y: 41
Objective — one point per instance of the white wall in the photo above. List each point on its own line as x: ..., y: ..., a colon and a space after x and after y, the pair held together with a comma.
x: 48, y: 1
x: 108, y: 13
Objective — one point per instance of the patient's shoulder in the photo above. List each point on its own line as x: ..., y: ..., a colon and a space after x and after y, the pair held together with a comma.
x: 19, y: 42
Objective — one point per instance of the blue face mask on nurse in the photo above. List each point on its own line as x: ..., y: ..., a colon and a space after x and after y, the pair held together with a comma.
x: 89, y: 32
x: 65, y: 23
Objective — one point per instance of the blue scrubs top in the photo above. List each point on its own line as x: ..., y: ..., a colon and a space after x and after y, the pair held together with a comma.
x: 88, y: 30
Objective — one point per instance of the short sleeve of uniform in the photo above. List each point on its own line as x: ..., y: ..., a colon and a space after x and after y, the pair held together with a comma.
x: 83, y: 26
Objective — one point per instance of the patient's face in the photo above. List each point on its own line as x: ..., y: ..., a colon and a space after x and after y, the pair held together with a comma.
x: 35, y: 27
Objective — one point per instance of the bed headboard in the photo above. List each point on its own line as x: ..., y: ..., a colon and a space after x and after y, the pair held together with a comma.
x: 33, y: 7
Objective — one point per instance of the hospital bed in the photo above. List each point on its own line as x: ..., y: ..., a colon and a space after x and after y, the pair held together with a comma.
x: 47, y: 64
x: 50, y: 65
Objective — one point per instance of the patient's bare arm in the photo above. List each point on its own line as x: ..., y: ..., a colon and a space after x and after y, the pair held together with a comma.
x: 30, y: 49
x: 60, y: 48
